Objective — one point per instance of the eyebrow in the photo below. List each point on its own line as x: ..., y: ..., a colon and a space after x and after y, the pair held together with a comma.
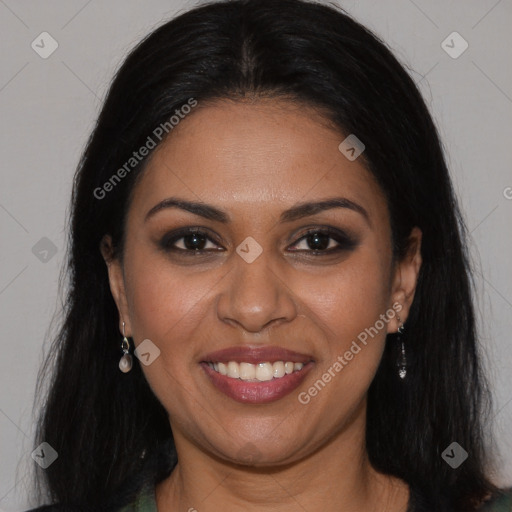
x: 296, y: 212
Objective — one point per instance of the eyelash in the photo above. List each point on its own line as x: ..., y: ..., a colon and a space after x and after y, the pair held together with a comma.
x: 344, y: 241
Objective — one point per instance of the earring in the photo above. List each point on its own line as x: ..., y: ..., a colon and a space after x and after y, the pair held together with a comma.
x: 402, y: 360
x: 126, y: 362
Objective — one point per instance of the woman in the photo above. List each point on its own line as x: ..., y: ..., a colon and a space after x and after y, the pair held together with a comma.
x: 270, y: 301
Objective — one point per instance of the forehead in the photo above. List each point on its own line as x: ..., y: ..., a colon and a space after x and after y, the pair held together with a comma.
x: 255, y: 154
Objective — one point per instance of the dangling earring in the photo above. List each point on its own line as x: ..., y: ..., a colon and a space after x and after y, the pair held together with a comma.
x: 401, y: 361
x: 126, y: 362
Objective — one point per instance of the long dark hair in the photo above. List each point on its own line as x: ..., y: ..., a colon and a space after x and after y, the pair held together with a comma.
x: 101, y: 421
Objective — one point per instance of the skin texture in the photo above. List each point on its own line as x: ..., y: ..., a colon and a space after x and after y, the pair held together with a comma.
x: 253, y: 159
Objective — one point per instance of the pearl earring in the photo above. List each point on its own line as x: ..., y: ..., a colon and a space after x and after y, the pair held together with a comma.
x: 126, y: 362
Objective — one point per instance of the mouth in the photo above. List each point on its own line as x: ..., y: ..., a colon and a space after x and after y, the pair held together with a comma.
x: 256, y: 375
x: 260, y: 372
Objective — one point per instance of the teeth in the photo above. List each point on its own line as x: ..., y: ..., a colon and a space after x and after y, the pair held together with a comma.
x: 247, y: 371
x: 233, y: 370
x: 256, y: 372
x: 278, y: 368
x: 264, y: 371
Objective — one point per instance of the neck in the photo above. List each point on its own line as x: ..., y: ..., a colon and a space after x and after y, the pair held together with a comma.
x: 336, y: 477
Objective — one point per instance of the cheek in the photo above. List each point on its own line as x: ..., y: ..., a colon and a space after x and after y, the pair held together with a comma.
x: 166, y: 303
x: 168, y: 307
x: 347, y: 310
x: 348, y: 305
x: 352, y: 298
x: 159, y: 296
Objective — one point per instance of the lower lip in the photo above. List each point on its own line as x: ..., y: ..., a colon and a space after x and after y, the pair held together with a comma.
x: 257, y: 392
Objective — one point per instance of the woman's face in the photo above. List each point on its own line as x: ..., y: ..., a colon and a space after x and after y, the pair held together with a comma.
x: 279, y: 279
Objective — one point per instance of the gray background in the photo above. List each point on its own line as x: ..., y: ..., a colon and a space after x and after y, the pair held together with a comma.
x: 48, y: 107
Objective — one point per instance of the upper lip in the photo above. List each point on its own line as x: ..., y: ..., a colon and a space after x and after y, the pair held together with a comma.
x: 254, y: 355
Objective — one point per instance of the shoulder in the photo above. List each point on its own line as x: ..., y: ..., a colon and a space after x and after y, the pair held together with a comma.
x: 501, y: 502
x: 145, y: 501
x: 56, y: 508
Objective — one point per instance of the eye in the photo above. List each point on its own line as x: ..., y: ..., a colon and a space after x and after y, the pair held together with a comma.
x: 324, y: 241
x: 317, y: 241
x: 189, y: 241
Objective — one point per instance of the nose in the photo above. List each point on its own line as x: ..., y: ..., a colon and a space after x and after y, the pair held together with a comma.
x: 255, y: 295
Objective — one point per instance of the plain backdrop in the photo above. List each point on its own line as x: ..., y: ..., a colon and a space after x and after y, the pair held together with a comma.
x: 48, y: 107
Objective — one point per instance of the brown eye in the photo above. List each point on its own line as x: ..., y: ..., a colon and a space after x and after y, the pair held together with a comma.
x: 194, y: 241
x: 326, y: 241
x: 318, y: 241
x: 190, y: 240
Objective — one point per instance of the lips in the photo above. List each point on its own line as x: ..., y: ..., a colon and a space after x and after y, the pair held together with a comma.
x: 256, y: 355
x: 259, y: 390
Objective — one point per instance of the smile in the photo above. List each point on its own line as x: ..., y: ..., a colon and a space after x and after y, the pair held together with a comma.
x: 256, y: 374
x: 260, y: 372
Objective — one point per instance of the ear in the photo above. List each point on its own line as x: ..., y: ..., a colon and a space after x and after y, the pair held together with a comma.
x: 117, y: 284
x: 405, y: 278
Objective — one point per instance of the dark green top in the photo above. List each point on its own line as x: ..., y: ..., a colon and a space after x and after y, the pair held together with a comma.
x: 502, y: 503
x: 146, y: 502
